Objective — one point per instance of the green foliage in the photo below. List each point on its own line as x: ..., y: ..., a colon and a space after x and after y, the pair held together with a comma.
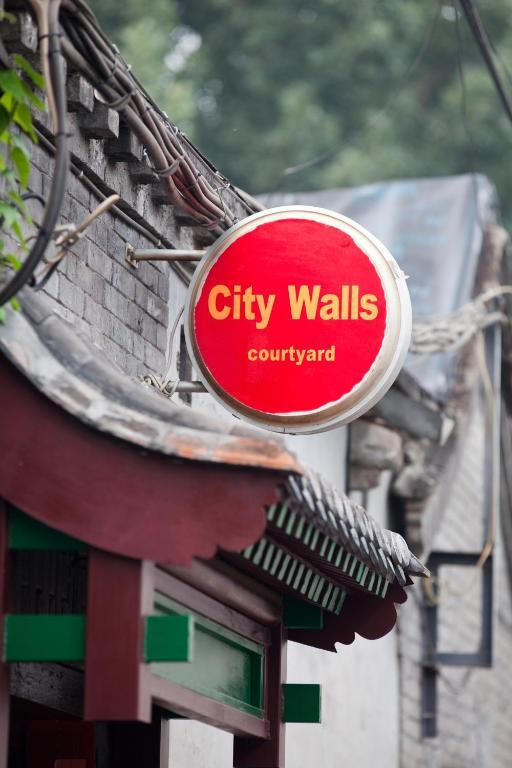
x: 359, y: 87
x: 16, y: 96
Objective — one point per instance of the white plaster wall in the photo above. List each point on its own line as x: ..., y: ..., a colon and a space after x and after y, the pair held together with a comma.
x: 360, y: 715
x: 360, y: 691
x: 194, y: 745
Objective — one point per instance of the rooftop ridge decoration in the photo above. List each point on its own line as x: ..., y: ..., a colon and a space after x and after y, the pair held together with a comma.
x: 343, y: 522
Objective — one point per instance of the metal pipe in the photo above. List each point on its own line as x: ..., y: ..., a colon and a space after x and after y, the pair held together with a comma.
x: 134, y: 255
x: 190, y: 387
x: 160, y: 254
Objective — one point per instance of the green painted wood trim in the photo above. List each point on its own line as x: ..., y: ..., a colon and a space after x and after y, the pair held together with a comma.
x: 227, y: 666
x: 302, y: 703
x: 44, y: 638
x: 169, y: 638
x: 298, y: 614
x: 27, y: 533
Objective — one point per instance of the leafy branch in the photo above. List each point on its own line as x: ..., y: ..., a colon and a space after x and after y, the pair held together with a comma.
x: 16, y: 125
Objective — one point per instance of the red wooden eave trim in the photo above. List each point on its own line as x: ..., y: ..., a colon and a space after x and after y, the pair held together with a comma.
x: 4, y: 675
x: 133, y: 502
x: 116, y: 496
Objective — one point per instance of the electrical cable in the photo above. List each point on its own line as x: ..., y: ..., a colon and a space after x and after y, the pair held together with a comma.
x: 98, y: 60
x: 69, y: 28
x: 56, y: 83
x: 33, y: 196
x: 486, y: 49
x: 465, y: 117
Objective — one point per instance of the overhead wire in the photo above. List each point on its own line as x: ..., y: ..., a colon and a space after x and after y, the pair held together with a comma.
x: 451, y: 332
x: 484, y: 44
x: 465, y: 116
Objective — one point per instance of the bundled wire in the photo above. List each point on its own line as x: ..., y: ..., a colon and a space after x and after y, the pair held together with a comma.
x: 89, y: 51
x: 69, y: 29
x: 452, y: 332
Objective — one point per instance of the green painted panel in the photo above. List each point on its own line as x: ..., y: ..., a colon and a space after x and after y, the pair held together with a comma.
x: 169, y: 638
x: 44, y: 638
x: 226, y: 666
x: 301, y: 615
x: 302, y: 703
x: 27, y: 533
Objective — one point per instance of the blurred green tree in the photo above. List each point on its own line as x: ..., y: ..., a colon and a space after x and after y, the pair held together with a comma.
x: 344, y: 93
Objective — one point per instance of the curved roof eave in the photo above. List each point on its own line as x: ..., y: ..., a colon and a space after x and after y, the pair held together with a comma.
x: 76, y: 375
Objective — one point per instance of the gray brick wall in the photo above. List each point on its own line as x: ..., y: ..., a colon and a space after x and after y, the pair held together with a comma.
x: 122, y: 310
x: 473, y: 704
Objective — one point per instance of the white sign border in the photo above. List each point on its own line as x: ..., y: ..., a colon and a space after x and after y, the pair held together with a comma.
x: 376, y: 382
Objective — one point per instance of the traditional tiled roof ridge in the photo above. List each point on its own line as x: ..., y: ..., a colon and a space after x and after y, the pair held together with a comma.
x: 349, y: 524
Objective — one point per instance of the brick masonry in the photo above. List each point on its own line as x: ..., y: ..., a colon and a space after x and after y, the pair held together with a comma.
x: 123, y: 310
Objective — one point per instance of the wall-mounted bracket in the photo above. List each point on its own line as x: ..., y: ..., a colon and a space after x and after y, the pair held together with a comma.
x: 134, y: 255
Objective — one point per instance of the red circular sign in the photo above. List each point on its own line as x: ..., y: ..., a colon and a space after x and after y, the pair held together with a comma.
x: 288, y: 316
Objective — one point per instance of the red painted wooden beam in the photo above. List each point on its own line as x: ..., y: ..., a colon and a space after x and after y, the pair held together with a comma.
x: 268, y: 753
x: 4, y: 677
x: 117, y: 682
x: 113, y: 495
